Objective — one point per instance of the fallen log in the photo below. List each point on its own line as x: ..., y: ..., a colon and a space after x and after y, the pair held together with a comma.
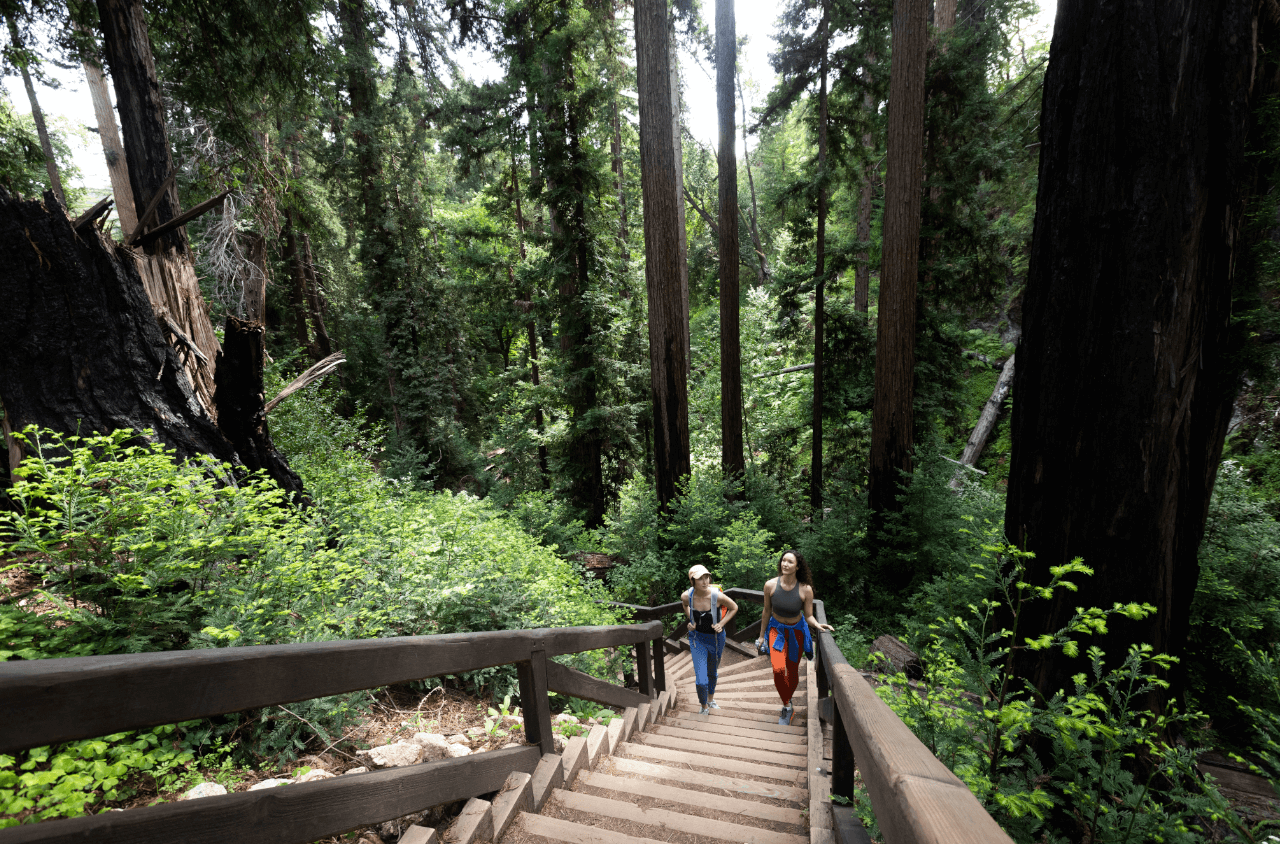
x: 986, y: 422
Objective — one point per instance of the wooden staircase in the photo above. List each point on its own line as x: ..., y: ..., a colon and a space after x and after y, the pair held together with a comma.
x: 664, y: 774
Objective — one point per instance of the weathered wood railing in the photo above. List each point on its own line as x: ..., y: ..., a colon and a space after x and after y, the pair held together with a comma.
x: 916, y: 798
x: 56, y: 700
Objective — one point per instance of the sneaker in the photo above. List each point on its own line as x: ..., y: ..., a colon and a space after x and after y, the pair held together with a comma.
x: 713, y: 705
x: 705, y: 711
x: 784, y: 717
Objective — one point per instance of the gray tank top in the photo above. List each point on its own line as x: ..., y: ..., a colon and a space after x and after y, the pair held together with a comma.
x: 787, y: 603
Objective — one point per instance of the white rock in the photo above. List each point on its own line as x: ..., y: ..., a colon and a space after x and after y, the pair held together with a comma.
x: 360, y: 770
x: 457, y: 738
x: 204, y: 789
x: 565, y: 718
x: 560, y: 742
x: 433, y: 746
x: 474, y: 733
x: 513, y: 719
x: 457, y: 750
x: 395, y: 755
x: 313, y: 775
x: 271, y: 783
x: 512, y: 744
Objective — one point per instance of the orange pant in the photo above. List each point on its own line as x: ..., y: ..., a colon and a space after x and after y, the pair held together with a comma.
x: 786, y: 674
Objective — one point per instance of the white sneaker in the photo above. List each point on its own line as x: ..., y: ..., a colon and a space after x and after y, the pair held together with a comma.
x: 706, y: 711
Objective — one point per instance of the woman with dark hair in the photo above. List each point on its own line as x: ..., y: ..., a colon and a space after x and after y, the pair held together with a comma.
x: 785, y: 624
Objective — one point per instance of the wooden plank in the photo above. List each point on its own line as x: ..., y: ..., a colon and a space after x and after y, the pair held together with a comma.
x: 555, y: 829
x: 847, y: 827
x: 573, y: 758
x: 701, y: 760
x: 95, y: 210
x: 629, y: 716
x: 819, y: 835
x: 659, y: 667
x: 292, y: 814
x: 571, y: 681
x: 473, y: 823
x: 547, y: 776
x: 747, y: 696
x: 532, y: 677
x: 516, y: 797
x: 755, y: 788
x: 819, y: 801
x: 749, y: 651
x: 736, y: 805
x: 765, y: 721
x: 674, y: 821
x: 596, y: 744
x: 736, y: 728
x: 145, y: 219
x: 613, y: 736
x: 738, y: 741
x: 47, y: 701
x: 725, y: 751
x: 644, y: 714
x: 644, y: 670
x: 762, y: 706
x: 892, y: 762
x: 419, y: 835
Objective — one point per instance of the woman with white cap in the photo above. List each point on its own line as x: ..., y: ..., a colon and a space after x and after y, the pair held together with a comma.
x: 708, y: 611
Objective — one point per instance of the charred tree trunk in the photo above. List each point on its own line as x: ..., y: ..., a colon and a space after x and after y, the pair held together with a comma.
x: 893, y: 416
x: 165, y: 264
x: 84, y: 351
x: 668, y: 323
x: 731, y: 457
x: 1125, y: 372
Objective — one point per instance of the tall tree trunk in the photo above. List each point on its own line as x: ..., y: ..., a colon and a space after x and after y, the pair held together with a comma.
x: 867, y: 186
x: 1125, y: 376
x: 50, y: 163
x: 677, y: 136
x: 731, y: 458
x: 944, y: 15
x: 297, y: 289
x: 531, y: 327
x: 165, y: 265
x: 986, y: 421
x: 615, y: 149
x: 315, y: 299
x: 762, y: 265
x: 819, y: 284
x: 112, y: 149
x: 893, y: 417
x: 660, y: 189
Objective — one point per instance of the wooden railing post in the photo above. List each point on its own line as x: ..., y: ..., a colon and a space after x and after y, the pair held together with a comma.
x: 533, y: 694
x: 659, y: 666
x: 644, y: 668
x: 842, y: 761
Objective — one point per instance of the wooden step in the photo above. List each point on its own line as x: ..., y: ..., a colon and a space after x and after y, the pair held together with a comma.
x: 761, y: 719
x: 654, y: 753
x: 736, y: 741
x: 749, y: 683
x: 658, y: 791
x: 755, y: 788
x: 710, y: 724
x: 734, y: 695
x: 555, y: 829
x: 760, y: 707
x: 724, y: 750
x: 676, y: 822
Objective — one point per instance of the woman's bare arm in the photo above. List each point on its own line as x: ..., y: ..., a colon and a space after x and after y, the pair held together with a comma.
x: 733, y: 610
x: 808, y: 610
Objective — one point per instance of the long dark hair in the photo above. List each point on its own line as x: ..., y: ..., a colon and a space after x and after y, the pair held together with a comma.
x: 802, y: 568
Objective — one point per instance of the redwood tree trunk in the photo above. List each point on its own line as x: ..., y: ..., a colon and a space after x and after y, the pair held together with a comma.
x: 731, y: 457
x: 819, y: 287
x: 893, y: 418
x: 1125, y: 378
x: 50, y: 163
x: 668, y: 326
x: 112, y: 149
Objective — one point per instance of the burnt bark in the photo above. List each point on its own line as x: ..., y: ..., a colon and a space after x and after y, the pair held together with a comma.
x: 1125, y: 374
x: 668, y: 325
x: 732, y: 461
x: 241, y: 414
x: 83, y: 350
x: 893, y: 414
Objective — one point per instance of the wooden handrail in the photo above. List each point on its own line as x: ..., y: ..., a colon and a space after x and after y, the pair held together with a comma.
x: 57, y: 700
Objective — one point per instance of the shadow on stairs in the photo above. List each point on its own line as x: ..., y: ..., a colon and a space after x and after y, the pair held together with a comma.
x: 664, y: 774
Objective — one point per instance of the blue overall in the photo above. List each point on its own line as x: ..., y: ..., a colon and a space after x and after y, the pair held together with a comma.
x: 706, y: 650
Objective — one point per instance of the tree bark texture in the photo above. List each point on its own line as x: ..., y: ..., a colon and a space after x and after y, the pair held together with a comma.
x: 83, y: 350
x: 112, y: 149
x: 893, y: 418
x: 668, y: 323
x: 241, y: 414
x: 819, y: 286
x: 50, y: 163
x: 731, y: 456
x: 762, y: 265
x: 165, y: 263
x: 867, y: 186
x: 677, y: 137
x: 1125, y: 381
